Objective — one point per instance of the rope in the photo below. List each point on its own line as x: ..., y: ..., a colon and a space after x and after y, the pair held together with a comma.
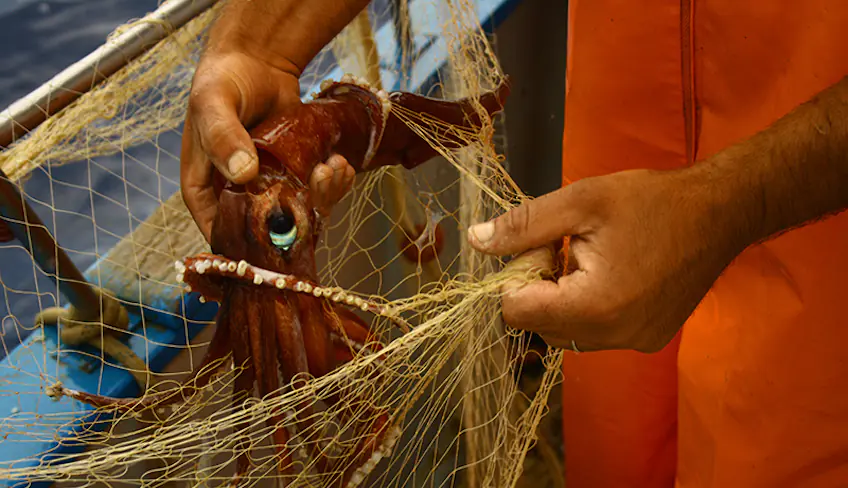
x: 77, y: 329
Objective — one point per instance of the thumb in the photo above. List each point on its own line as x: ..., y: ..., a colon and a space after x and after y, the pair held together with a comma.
x: 533, y: 224
x: 221, y: 133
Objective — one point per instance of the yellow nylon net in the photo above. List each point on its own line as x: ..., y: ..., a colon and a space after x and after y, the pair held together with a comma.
x: 458, y: 406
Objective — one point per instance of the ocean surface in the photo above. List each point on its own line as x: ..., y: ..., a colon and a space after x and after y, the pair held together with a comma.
x: 88, y: 205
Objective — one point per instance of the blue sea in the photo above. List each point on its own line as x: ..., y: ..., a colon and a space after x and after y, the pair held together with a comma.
x: 87, y: 205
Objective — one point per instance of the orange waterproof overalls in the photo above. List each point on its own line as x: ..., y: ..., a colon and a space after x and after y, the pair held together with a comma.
x: 754, y: 391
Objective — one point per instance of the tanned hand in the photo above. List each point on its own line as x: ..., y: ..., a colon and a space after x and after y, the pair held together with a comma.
x: 250, y: 68
x: 646, y: 246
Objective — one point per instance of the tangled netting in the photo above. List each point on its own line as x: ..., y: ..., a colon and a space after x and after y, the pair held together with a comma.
x: 451, y: 386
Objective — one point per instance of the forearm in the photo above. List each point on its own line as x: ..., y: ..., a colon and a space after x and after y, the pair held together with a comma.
x: 284, y: 33
x: 792, y: 173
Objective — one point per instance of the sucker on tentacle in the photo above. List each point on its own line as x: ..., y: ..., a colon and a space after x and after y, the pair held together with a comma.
x: 219, y: 266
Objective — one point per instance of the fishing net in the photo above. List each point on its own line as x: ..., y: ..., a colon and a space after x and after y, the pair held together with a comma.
x: 451, y: 390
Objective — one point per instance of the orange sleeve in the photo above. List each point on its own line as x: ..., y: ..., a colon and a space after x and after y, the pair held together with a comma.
x: 620, y: 418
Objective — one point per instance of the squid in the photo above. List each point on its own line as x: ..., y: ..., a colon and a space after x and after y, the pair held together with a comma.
x: 275, y: 318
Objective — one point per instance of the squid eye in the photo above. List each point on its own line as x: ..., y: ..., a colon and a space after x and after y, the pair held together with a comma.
x: 282, y: 230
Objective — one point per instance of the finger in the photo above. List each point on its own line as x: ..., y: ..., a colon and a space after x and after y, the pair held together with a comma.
x: 319, y: 187
x: 343, y: 174
x: 540, y: 260
x: 556, y: 311
x: 533, y: 306
x: 339, y: 164
x: 330, y: 182
x: 196, y: 181
x: 532, y: 224
x: 529, y: 305
x: 222, y: 136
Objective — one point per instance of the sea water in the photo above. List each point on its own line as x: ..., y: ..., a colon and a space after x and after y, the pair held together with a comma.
x: 88, y: 205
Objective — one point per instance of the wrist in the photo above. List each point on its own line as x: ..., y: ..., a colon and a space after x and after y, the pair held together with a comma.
x: 729, y: 203
x: 285, y: 34
x: 232, y: 41
x: 791, y: 173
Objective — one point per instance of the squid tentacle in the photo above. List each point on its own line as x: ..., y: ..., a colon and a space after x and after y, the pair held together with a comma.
x: 381, y: 437
x: 351, y: 334
x: 291, y: 332
x: 246, y: 377
x: 212, y: 267
x: 261, y: 321
x: 202, y: 375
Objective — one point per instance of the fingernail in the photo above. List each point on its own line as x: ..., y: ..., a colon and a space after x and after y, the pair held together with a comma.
x: 239, y: 162
x: 336, y: 162
x: 482, y: 232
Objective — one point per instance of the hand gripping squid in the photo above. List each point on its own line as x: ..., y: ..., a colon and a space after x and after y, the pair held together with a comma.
x: 274, y: 318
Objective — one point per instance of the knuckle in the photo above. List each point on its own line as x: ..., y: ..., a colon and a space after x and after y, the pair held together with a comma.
x: 586, y: 195
x: 209, y: 90
x: 584, y: 187
x: 198, y: 109
x: 518, y: 220
x: 576, y: 192
x: 201, y: 91
x: 215, y: 126
x: 213, y: 135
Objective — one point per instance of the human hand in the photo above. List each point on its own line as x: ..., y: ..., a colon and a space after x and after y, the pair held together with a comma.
x: 644, y: 249
x: 232, y: 90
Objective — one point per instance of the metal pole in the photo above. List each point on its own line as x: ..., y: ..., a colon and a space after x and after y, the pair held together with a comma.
x: 30, y: 111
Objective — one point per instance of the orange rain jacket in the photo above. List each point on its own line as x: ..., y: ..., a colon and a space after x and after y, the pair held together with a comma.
x: 754, y: 391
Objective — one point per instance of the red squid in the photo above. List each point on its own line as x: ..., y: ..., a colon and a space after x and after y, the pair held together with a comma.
x: 275, y: 319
